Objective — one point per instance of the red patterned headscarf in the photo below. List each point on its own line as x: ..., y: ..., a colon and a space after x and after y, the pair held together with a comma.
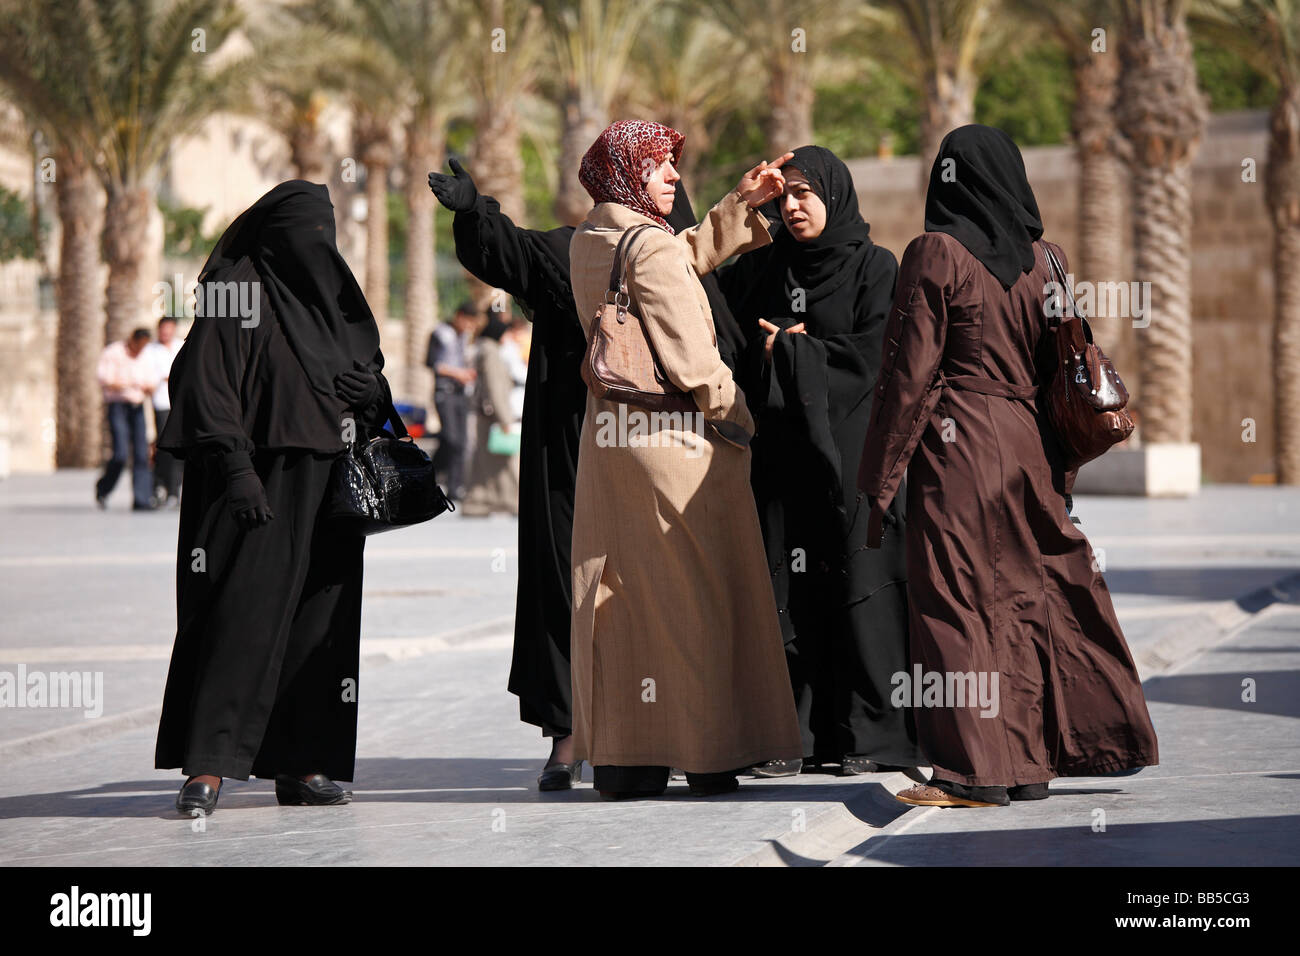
x: 619, y: 162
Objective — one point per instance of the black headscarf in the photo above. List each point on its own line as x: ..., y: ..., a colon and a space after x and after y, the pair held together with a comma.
x: 288, y: 235
x: 983, y: 200
x: 821, y: 266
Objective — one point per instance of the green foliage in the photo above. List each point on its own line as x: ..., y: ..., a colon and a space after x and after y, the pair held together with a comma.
x: 853, y: 119
x: 16, y: 239
x: 1228, y: 80
x: 183, y: 236
x: 1029, y: 96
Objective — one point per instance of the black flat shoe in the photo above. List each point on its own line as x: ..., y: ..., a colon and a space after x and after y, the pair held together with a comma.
x: 197, y: 796
x: 713, y: 784
x: 778, y: 768
x: 560, y: 776
x: 853, y: 765
x: 630, y: 794
x: 1029, y: 791
x: 317, y: 791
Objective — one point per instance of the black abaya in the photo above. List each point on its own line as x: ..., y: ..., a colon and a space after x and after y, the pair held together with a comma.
x: 264, y: 669
x: 842, y: 607
x: 533, y: 267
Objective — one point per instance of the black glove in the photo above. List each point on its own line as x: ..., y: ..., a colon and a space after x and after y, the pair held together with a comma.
x: 358, y: 387
x: 245, y: 495
x: 457, y: 192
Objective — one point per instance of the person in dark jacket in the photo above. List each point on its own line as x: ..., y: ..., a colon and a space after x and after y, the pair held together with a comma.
x: 281, y: 370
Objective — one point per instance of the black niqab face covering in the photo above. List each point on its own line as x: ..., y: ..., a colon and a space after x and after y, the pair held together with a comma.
x: 288, y: 235
x: 979, y: 194
x: 821, y: 265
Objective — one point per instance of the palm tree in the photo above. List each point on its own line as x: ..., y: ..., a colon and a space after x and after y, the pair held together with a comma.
x: 593, y: 41
x: 944, y: 45
x: 413, y: 34
x: 787, y: 39
x: 1162, y: 114
x: 1266, y: 33
x: 1094, y: 66
x: 146, y: 78
x: 503, y: 70
x: 33, y: 50
x: 691, y: 79
x: 350, y: 63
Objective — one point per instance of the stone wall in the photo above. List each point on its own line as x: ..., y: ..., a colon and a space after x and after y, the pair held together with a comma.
x: 1232, y: 283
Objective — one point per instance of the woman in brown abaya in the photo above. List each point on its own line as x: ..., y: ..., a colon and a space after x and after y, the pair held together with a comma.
x: 1001, y: 585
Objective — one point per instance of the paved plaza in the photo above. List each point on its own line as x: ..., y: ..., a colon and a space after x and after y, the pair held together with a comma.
x: 1208, y: 591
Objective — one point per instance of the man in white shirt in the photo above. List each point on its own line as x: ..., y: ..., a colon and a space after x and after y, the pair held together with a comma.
x: 160, y: 354
x: 126, y: 378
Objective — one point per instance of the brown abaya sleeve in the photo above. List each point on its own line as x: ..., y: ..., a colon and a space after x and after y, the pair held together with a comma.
x: 908, y: 387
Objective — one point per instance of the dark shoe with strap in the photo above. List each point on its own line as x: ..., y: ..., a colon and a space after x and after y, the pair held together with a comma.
x: 196, y: 795
x: 317, y: 790
x: 854, y: 764
x: 560, y: 776
x: 1029, y: 791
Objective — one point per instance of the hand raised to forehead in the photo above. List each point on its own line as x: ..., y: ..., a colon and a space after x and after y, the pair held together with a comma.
x: 764, y: 182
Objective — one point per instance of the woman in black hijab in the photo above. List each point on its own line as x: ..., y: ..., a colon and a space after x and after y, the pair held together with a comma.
x: 813, y: 306
x: 533, y: 266
x: 280, y: 371
x: 1002, y: 587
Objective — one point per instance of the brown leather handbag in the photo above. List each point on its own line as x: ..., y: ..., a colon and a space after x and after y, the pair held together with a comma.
x: 1085, y: 399
x: 621, y: 364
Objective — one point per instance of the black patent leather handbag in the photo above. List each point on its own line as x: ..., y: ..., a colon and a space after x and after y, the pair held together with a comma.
x: 385, y: 482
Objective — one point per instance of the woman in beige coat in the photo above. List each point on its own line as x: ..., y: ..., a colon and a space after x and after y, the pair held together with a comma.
x: 676, y: 645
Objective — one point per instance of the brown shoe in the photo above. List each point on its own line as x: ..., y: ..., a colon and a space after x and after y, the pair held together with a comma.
x: 924, y: 795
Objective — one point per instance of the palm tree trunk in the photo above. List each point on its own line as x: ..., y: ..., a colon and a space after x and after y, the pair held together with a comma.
x: 1283, y: 184
x: 1162, y: 115
x: 498, y: 172
x: 949, y: 103
x: 424, y: 148
x: 126, y: 227
x: 583, y: 122
x: 376, y: 152
x: 498, y: 164
x: 1100, y: 194
x: 1162, y: 219
x: 79, y: 336
x: 790, y: 93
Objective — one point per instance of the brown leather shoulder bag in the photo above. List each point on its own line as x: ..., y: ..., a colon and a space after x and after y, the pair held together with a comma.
x: 1086, y: 398
x: 621, y: 364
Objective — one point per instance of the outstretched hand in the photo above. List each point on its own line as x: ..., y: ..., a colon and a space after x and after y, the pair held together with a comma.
x: 457, y: 192
x: 764, y: 182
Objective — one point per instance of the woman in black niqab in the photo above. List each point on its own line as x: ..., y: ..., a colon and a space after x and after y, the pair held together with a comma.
x: 279, y: 373
x: 842, y: 607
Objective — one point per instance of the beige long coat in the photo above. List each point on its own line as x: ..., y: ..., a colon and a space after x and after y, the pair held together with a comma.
x: 676, y: 646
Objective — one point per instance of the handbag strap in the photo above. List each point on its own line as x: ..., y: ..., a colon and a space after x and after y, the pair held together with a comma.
x: 621, y: 251
x: 1054, y: 266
